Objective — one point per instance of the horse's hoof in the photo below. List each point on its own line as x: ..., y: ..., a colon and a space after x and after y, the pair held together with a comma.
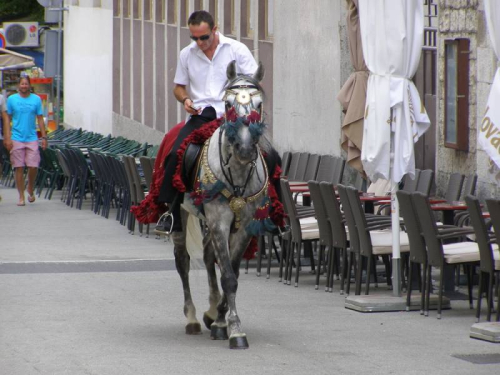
x: 193, y: 329
x: 208, y: 321
x: 218, y: 332
x: 238, y: 342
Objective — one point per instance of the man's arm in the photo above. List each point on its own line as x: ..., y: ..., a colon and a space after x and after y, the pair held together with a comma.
x: 6, y: 131
x: 182, y: 96
x: 41, y: 126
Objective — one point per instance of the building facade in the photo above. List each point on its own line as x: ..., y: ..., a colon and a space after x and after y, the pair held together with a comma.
x: 121, y: 56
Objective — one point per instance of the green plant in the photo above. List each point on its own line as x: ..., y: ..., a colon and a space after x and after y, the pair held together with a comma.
x: 17, y: 10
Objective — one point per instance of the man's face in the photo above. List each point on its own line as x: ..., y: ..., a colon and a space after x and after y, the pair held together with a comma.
x: 200, y: 32
x: 24, y: 86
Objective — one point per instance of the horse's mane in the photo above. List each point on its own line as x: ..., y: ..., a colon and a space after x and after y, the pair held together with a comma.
x: 265, y: 143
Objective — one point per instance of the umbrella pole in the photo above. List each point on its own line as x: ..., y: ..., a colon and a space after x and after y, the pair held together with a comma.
x: 396, y: 249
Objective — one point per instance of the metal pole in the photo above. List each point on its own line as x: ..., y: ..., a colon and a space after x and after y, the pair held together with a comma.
x: 396, y: 248
x: 58, y: 69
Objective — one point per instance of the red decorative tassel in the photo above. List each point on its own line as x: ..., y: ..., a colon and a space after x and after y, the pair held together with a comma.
x: 149, y: 210
x: 199, y: 136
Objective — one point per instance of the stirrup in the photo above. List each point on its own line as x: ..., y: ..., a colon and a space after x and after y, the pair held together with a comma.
x: 165, y: 224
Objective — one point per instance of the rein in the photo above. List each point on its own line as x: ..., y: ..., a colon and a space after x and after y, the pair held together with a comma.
x: 238, y: 191
x: 236, y: 203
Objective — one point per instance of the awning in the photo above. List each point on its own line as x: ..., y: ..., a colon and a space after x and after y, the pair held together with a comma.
x: 13, y: 60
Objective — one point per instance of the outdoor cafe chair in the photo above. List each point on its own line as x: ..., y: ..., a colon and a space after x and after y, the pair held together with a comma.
x: 292, y: 167
x: 338, y: 171
x: 425, y: 181
x: 326, y: 169
x: 325, y: 235
x: 375, y: 238
x: 285, y: 163
x: 442, y: 255
x: 489, y: 265
x: 304, y: 229
x: 338, y: 230
x: 418, y: 253
x: 454, y: 189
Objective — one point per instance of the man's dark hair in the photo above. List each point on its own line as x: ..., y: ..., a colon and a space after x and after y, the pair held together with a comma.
x: 26, y: 77
x: 196, y: 18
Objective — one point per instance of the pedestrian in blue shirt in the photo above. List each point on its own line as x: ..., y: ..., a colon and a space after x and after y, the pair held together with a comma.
x: 25, y: 111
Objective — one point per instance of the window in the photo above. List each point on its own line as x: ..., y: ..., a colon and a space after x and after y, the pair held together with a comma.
x: 456, y: 92
x: 266, y: 17
x: 116, y: 8
x: 184, y: 12
x: 248, y: 18
x: 172, y: 12
x: 126, y: 8
x: 148, y: 7
x: 136, y: 9
x: 160, y: 11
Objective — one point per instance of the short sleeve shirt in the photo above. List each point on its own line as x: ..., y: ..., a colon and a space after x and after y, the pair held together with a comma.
x: 206, y: 78
x: 3, y: 108
x: 24, y: 112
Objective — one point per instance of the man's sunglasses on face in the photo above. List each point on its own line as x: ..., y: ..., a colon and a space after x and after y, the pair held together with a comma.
x: 202, y: 38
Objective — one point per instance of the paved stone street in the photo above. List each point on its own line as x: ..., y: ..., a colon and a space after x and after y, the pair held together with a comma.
x: 79, y: 295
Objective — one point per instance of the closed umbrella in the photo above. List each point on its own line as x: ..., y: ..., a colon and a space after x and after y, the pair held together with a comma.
x: 353, y: 94
x: 392, y: 39
x: 489, y: 131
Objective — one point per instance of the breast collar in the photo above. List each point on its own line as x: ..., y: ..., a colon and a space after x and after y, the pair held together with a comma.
x: 236, y: 203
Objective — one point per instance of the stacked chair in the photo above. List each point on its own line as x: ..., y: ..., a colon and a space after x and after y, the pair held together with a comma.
x: 114, y: 172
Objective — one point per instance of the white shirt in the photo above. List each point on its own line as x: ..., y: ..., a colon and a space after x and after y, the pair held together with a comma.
x: 207, y: 78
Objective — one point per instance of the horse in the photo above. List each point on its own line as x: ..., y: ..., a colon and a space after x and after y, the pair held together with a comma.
x: 232, y: 181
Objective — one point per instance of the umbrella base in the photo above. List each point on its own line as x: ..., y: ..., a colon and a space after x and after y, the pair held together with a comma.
x: 388, y: 303
x: 486, y: 331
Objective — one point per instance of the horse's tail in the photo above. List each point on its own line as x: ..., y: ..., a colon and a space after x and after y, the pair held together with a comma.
x: 194, y: 240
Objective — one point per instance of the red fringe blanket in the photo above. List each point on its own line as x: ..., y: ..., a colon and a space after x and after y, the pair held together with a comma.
x: 149, y: 210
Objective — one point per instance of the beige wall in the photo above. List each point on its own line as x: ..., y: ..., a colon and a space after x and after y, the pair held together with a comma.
x: 465, y: 19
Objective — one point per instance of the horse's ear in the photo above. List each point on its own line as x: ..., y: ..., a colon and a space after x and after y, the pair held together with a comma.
x: 259, y: 74
x: 231, y: 71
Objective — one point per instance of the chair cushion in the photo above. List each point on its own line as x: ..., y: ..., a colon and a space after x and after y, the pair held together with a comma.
x: 382, y: 242
x: 461, y: 252
x: 496, y: 256
x: 309, y: 227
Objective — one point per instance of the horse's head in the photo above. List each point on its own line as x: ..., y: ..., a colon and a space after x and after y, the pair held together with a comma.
x: 243, y: 99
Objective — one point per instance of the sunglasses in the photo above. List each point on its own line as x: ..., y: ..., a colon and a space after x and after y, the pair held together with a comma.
x: 202, y: 38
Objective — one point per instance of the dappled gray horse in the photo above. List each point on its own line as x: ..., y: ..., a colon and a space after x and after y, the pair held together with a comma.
x: 232, y: 183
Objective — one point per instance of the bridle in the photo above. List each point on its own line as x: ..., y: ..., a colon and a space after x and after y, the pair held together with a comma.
x: 243, y: 100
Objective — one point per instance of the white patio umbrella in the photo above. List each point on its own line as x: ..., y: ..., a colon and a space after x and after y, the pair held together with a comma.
x: 490, y: 126
x: 392, y: 38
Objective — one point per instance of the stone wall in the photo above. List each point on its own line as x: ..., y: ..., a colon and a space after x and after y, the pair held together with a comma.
x: 465, y: 19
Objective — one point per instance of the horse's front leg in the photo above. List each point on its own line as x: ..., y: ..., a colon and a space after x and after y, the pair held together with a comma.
x: 182, y: 260
x: 219, y: 226
x: 214, y: 319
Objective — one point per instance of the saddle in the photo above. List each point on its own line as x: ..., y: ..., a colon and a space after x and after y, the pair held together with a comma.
x: 190, y: 164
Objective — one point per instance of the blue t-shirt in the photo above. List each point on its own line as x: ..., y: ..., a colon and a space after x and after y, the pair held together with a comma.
x: 24, y: 112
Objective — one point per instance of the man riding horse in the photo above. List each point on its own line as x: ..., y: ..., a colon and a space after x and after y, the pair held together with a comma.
x: 202, y: 65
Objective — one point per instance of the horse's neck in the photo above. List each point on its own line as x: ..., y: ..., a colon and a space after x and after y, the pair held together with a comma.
x: 239, y: 172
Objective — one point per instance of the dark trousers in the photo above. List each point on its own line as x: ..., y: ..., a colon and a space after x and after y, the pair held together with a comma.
x: 167, y: 191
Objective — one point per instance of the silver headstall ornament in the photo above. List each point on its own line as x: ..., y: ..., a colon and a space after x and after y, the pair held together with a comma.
x: 243, y: 93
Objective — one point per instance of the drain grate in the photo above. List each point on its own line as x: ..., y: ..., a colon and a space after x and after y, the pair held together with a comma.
x: 479, y: 359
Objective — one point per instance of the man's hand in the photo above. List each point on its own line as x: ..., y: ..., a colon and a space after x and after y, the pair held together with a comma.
x: 8, y: 144
x: 44, y: 144
x: 188, y: 107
